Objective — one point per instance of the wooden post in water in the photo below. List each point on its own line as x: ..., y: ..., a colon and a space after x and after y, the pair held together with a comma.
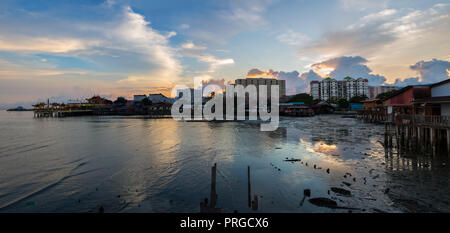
x: 397, y: 136
x: 448, y: 142
x: 419, y: 139
x: 249, y: 189
x: 390, y: 135
x: 432, y: 140
x: 213, y: 186
x: 407, y: 137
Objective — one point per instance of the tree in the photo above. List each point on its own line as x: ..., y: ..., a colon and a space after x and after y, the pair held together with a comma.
x: 121, y: 100
x: 342, y: 103
x: 302, y: 97
x: 357, y: 99
x: 146, y: 101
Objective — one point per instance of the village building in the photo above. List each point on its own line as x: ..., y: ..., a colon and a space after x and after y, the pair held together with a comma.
x: 401, y: 102
x: 160, y: 98
x: 138, y: 98
x: 439, y: 102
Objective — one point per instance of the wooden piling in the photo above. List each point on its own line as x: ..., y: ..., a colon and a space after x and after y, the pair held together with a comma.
x: 432, y: 140
x: 213, y: 186
x: 448, y: 142
x: 249, y: 189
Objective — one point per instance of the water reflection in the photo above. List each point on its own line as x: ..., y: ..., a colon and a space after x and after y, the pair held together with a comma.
x: 161, y: 165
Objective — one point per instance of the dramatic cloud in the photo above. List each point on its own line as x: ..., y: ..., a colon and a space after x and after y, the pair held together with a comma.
x: 432, y: 71
x: 135, y: 35
x: 139, y: 55
x: 428, y: 72
x: 387, y: 37
x: 355, y: 67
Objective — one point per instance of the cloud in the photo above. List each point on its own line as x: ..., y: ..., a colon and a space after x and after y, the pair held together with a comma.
x: 43, y: 44
x: 190, y: 49
x: 388, y: 35
x: 126, y: 34
x: 124, y: 41
x: 227, y: 19
x: 355, y: 67
x: 292, y: 38
x: 340, y: 67
x: 136, y: 35
x: 362, y: 4
x: 432, y: 71
x: 427, y: 72
x: 184, y: 26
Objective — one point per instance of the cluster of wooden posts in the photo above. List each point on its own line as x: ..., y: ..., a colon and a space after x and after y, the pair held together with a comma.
x: 422, y: 134
x: 409, y: 137
x: 372, y: 117
x: 39, y: 113
x: 210, y: 207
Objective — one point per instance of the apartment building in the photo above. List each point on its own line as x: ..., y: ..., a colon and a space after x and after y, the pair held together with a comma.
x: 331, y: 88
x: 258, y: 82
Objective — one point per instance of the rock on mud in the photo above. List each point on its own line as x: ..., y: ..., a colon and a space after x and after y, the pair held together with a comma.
x: 341, y: 191
x: 323, y: 202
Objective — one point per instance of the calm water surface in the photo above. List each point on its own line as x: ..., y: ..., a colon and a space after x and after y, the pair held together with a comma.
x: 132, y: 164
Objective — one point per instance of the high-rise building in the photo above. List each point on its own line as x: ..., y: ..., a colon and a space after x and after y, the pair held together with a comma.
x: 376, y: 90
x: 331, y: 88
x: 258, y: 82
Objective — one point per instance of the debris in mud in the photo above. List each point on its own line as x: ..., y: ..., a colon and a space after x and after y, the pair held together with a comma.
x: 346, y: 183
x: 306, y: 193
x: 376, y: 176
x: 292, y: 160
x: 323, y: 202
x: 341, y: 191
x: 386, y: 190
x: 30, y: 203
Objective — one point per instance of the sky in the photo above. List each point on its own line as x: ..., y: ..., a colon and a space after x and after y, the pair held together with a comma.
x: 68, y: 50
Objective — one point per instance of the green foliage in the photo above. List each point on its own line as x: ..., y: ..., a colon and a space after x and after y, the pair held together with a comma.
x: 302, y: 97
x: 332, y: 100
x: 343, y: 103
x: 357, y: 99
x: 121, y: 100
x: 385, y: 94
